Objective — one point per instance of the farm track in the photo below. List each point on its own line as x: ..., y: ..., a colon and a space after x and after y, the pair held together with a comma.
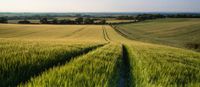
x: 124, y: 66
x: 125, y: 69
x: 120, y: 32
x: 60, y: 63
x: 105, y: 34
x: 79, y: 30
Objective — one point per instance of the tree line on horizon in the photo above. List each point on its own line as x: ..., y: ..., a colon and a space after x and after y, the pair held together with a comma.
x: 79, y: 20
x: 98, y: 20
x: 47, y: 20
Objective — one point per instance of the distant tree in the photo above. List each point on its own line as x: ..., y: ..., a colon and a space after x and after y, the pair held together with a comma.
x: 24, y: 22
x: 63, y: 21
x: 143, y: 17
x: 79, y: 20
x: 66, y: 21
x: 183, y: 15
x: 44, y: 21
x: 55, y: 21
x: 103, y: 21
x: 3, y: 20
x: 125, y: 17
x: 88, y: 21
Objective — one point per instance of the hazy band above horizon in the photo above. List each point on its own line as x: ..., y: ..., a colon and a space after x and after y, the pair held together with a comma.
x: 99, y: 6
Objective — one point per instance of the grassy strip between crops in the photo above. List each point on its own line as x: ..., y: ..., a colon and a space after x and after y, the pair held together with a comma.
x: 98, y: 68
x: 161, y: 66
x: 20, y: 60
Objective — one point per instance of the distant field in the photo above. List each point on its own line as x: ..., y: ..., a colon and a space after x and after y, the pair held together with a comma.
x: 91, y: 56
x: 61, y: 18
x: 118, y: 21
x: 174, y: 32
x: 38, y: 31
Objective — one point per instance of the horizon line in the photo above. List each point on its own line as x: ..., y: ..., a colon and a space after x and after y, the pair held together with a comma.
x: 110, y: 12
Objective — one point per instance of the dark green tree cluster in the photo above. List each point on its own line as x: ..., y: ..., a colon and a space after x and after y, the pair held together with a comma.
x: 78, y: 20
x: 88, y: 21
x: 44, y: 21
x: 125, y: 18
x: 183, y: 16
x: 143, y: 17
x: 3, y: 20
x: 103, y: 21
x: 24, y: 22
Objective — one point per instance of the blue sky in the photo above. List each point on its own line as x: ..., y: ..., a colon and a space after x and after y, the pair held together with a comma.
x: 99, y: 6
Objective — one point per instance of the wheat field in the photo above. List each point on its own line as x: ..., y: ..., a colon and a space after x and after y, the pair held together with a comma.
x: 90, y: 56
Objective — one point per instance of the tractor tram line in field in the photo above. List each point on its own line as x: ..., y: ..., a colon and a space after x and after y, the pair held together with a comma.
x: 79, y: 30
x: 105, y: 34
x: 120, y: 32
x: 125, y: 69
x: 124, y: 66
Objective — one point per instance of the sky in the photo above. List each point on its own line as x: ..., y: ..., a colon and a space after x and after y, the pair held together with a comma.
x: 99, y: 5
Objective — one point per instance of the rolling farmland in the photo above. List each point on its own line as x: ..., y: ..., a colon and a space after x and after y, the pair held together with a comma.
x: 93, y: 56
x: 183, y: 33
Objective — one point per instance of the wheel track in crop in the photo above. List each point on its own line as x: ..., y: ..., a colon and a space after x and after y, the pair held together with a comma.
x: 125, y: 77
x: 125, y: 69
x: 105, y: 34
x: 60, y: 63
x: 116, y: 28
x: 79, y: 30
